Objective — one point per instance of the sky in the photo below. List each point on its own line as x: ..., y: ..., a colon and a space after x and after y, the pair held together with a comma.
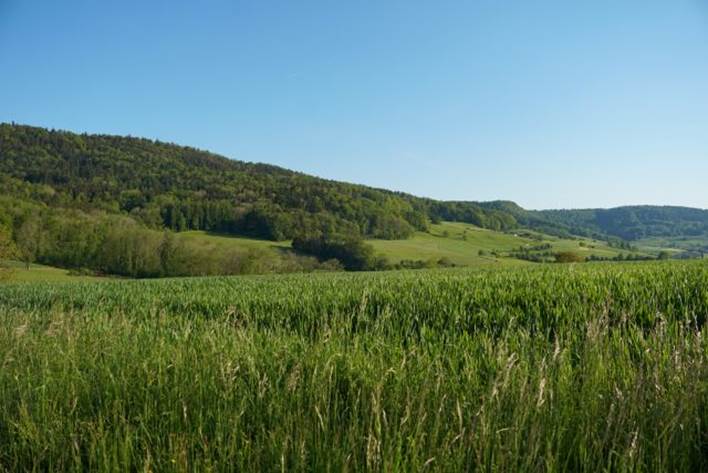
x: 551, y: 104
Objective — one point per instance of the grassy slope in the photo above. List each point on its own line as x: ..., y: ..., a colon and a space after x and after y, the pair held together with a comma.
x: 38, y: 272
x: 438, y: 244
x: 218, y: 242
x: 423, y: 246
x: 447, y: 240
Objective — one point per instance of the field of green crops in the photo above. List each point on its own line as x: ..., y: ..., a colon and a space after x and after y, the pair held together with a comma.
x: 594, y: 367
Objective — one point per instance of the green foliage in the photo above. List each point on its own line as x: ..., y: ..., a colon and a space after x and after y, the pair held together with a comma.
x: 30, y: 239
x: 568, y: 257
x: 625, y: 257
x: 7, y: 251
x: 538, y: 253
x: 590, y: 368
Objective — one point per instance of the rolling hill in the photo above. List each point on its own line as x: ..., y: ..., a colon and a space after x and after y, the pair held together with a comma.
x: 143, y: 208
x: 467, y: 245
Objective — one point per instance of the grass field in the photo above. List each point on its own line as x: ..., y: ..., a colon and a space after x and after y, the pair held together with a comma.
x: 217, y: 242
x: 593, y: 367
x: 461, y: 243
x: 38, y: 272
x: 446, y: 241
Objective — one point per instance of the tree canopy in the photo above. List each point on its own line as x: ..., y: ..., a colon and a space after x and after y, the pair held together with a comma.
x: 7, y: 252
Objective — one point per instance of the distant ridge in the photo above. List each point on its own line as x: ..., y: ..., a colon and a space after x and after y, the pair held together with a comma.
x: 633, y: 222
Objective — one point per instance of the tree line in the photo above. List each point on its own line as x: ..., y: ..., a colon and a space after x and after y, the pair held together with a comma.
x: 104, y: 243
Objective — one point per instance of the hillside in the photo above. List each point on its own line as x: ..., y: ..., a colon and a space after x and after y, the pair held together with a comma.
x: 41, y: 273
x: 446, y: 243
x: 462, y: 244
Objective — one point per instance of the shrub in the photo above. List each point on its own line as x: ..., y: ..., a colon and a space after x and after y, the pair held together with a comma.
x: 351, y: 251
x: 568, y: 257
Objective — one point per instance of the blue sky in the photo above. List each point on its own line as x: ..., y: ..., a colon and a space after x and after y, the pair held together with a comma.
x: 552, y: 104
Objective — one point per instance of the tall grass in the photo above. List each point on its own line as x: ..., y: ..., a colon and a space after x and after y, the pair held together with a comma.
x: 592, y: 368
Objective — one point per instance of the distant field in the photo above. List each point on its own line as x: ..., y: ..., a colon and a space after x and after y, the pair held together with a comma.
x: 462, y: 243
x: 446, y: 241
x: 587, y: 368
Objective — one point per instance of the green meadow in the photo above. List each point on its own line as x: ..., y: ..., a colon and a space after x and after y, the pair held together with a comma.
x: 19, y: 272
x: 461, y: 243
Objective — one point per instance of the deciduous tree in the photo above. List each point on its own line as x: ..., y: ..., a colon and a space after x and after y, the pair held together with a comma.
x: 7, y: 252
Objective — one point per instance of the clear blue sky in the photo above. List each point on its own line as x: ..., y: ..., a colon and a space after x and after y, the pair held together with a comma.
x: 548, y: 103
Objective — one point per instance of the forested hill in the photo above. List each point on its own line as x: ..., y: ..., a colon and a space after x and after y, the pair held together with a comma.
x: 182, y: 188
x: 632, y: 222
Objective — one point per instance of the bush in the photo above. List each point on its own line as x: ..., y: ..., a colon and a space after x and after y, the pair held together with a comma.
x: 351, y: 251
x: 7, y: 252
x: 568, y: 257
x: 446, y: 262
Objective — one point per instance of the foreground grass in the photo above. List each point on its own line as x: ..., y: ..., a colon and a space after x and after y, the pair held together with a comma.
x: 583, y: 368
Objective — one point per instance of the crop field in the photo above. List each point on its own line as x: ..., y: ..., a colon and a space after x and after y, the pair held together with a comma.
x: 593, y: 367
